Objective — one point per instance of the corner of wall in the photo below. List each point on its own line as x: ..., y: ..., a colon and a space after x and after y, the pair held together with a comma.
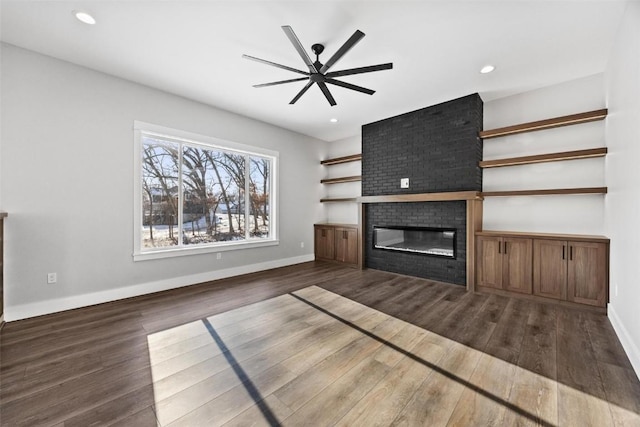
x: 622, y: 176
x: 630, y: 347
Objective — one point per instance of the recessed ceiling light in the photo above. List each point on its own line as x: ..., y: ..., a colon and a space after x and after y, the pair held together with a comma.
x: 84, y: 17
x: 487, y: 69
x: 334, y: 120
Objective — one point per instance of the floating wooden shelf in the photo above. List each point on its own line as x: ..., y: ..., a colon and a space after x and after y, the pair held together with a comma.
x: 337, y: 161
x: 559, y: 191
x: 572, y: 119
x: 345, y: 159
x: 542, y: 158
x: 343, y: 199
x: 423, y: 197
x: 341, y: 179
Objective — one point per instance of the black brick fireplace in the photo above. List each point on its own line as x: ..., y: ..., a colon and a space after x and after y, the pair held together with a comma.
x: 438, y: 149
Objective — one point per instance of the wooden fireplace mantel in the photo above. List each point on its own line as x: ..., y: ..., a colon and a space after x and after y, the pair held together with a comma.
x: 423, y: 197
x: 473, y: 200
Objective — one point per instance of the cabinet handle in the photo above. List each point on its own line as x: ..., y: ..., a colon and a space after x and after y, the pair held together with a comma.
x: 563, y: 248
x: 505, y: 248
x: 499, y: 246
x: 570, y: 253
x: 344, y: 234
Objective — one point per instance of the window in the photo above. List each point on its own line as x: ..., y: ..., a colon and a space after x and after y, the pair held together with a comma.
x: 199, y: 194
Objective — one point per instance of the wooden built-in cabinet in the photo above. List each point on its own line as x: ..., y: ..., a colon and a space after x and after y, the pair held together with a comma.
x: 571, y: 269
x: 566, y: 269
x: 324, y: 242
x: 336, y: 242
x: 550, y: 273
x: 575, y: 271
x: 504, y: 263
x: 346, y: 240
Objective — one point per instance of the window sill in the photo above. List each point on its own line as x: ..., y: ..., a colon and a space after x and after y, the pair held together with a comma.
x: 219, y: 247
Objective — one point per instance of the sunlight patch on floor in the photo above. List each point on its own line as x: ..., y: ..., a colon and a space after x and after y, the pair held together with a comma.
x: 293, y: 356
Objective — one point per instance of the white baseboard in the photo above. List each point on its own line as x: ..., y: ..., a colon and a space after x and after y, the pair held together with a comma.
x: 625, y: 339
x: 40, y: 308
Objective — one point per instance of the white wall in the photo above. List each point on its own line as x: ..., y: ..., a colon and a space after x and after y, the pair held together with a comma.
x: 343, y: 213
x: 67, y: 183
x: 622, y: 207
x: 580, y: 214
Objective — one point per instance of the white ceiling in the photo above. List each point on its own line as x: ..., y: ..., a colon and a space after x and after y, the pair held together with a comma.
x: 194, y: 49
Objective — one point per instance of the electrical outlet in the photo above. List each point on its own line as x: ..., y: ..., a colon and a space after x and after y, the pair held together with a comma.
x: 404, y: 182
x: 52, y: 278
x: 218, y: 255
x: 302, y: 244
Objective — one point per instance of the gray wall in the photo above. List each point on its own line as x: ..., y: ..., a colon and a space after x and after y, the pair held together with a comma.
x: 67, y: 183
x: 622, y: 205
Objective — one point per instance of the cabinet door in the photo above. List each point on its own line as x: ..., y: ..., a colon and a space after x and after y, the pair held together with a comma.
x: 550, y: 268
x: 587, y: 278
x: 489, y: 261
x: 517, y: 271
x: 324, y: 242
x: 347, y: 245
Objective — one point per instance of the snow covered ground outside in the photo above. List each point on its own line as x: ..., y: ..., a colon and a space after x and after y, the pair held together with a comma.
x: 195, y: 232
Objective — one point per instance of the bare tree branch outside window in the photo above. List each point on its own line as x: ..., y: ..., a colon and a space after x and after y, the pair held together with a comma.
x: 211, y: 184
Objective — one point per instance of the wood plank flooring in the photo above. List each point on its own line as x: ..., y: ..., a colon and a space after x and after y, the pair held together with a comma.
x: 317, y: 344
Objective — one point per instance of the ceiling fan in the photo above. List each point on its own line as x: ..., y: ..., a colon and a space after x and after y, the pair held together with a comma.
x: 317, y: 71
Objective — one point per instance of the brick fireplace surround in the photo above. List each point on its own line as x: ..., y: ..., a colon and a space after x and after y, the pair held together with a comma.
x: 438, y: 149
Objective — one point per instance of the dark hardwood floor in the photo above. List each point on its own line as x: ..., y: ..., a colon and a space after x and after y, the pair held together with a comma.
x: 276, y: 347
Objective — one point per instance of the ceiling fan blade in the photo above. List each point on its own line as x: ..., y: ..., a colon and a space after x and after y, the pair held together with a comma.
x: 350, y: 86
x: 281, y: 82
x: 355, y: 38
x: 360, y: 70
x: 304, y: 89
x: 298, y: 46
x: 284, y: 67
x: 325, y: 90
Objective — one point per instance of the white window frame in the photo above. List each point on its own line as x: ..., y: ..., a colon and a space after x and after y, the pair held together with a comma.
x: 180, y: 136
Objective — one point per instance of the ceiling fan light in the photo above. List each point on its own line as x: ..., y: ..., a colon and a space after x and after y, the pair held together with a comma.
x: 487, y: 69
x: 84, y: 17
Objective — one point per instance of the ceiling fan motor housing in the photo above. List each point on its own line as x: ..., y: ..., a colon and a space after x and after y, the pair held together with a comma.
x: 317, y: 49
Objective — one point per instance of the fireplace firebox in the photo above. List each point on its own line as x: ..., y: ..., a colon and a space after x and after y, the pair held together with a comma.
x: 439, y: 242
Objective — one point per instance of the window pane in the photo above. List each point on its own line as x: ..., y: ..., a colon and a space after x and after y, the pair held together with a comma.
x: 211, y: 210
x: 233, y: 166
x: 259, y: 170
x: 198, y: 181
x: 159, y: 193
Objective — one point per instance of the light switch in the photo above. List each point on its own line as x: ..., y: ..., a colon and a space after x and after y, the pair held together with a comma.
x: 404, y: 182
